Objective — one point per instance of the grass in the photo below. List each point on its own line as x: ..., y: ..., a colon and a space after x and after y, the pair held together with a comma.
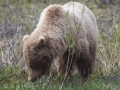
x: 13, y: 79
x: 13, y: 76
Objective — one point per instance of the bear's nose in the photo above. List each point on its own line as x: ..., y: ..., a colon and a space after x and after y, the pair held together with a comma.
x: 32, y: 79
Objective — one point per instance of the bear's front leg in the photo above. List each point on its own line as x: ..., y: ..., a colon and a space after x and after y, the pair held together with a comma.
x: 65, y: 64
x: 85, y: 64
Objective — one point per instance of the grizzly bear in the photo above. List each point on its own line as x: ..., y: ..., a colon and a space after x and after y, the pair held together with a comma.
x: 67, y: 32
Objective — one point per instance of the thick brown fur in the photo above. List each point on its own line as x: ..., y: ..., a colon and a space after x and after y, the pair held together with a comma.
x: 69, y: 35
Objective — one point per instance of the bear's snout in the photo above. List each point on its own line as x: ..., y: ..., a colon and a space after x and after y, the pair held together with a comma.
x: 33, y: 75
x: 32, y: 79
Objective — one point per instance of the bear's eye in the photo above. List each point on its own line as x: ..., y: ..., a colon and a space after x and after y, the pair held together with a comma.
x: 35, y: 65
x: 32, y: 66
x: 45, y: 58
x: 36, y: 49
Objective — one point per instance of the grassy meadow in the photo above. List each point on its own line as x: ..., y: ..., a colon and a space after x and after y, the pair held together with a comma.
x: 20, y: 17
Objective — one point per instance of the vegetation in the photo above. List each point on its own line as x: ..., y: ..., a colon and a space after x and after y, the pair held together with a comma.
x: 19, y: 17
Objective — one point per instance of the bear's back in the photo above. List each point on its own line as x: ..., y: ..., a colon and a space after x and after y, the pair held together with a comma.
x: 85, y: 16
x: 78, y: 9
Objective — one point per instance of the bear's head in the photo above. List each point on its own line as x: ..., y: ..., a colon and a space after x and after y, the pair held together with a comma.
x: 38, y: 56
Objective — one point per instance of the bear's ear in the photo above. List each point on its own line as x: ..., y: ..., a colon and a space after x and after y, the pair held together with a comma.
x: 25, y: 37
x: 42, y: 40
